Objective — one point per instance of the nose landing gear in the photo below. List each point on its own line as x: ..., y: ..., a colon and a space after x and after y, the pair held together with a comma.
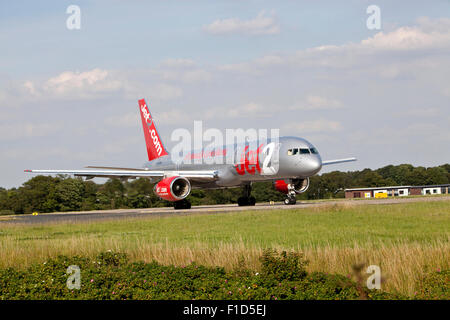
x: 247, y: 199
x: 290, y: 200
x: 290, y: 194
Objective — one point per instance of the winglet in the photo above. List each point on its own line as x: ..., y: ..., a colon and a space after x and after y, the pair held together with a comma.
x: 155, y: 148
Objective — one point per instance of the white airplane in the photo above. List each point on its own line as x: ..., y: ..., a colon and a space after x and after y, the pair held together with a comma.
x: 294, y: 159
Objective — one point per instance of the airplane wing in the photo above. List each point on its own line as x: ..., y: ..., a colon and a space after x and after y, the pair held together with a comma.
x: 327, y: 162
x: 198, y: 175
x: 114, y: 168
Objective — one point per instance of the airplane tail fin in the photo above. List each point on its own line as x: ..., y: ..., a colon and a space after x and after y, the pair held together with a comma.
x: 155, y: 148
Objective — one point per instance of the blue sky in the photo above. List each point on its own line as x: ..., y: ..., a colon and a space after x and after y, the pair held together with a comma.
x: 68, y: 98
x: 136, y: 33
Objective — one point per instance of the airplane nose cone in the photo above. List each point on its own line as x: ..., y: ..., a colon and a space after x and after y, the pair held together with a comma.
x: 314, y: 165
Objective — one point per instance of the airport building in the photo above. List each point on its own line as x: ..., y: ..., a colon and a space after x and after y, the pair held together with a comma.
x: 397, y: 191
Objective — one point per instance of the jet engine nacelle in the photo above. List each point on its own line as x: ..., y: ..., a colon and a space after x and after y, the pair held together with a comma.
x: 300, y: 185
x: 173, y: 188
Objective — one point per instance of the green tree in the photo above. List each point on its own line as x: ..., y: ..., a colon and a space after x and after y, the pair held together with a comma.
x: 89, y: 201
x: 69, y: 194
x: 38, y: 194
x: 112, y: 192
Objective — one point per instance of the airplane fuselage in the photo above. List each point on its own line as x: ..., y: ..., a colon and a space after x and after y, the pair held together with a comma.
x: 290, y: 158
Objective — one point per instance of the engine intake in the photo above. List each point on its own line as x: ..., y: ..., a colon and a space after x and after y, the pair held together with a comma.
x: 300, y: 185
x: 173, y: 188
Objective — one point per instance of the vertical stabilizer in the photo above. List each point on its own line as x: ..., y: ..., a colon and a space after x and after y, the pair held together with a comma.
x: 155, y: 148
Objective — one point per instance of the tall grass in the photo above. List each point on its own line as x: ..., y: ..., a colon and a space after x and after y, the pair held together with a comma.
x: 405, y: 240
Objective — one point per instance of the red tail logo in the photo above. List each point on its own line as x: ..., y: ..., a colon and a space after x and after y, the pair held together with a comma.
x: 155, y: 149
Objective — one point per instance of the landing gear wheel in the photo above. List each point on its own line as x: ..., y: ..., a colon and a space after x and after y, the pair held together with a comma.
x: 288, y: 201
x: 182, y: 204
x: 246, y: 201
x: 242, y: 201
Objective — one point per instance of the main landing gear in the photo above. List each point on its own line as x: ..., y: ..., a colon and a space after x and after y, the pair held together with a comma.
x: 247, y: 199
x: 182, y: 204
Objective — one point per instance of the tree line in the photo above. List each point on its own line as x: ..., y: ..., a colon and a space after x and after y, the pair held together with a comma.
x: 63, y: 193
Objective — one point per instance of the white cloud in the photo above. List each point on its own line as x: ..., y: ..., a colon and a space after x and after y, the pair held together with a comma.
x: 426, y: 35
x: 320, y: 125
x: 127, y: 120
x: 237, y: 67
x: 132, y: 119
x: 19, y: 153
x: 261, y: 25
x: 92, y: 81
x: 314, y: 102
x: 409, y: 38
x: 70, y: 84
x: 190, y: 76
x: 428, y: 132
x: 119, y: 146
x: 100, y: 152
x: 255, y: 67
x: 98, y: 83
x: 195, y: 76
x: 29, y: 86
x: 421, y: 112
x: 446, y: 91
x: 165, y: 92
x: 269, y: 60
x: 17, y: 131
x: 172, y: 117
x: 250, y: 109
x: 179, y: 62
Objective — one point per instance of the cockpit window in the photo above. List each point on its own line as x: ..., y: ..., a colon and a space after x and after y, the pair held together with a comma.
x: 314, y: 151
x: 304, y: 151
x: 295, y: 151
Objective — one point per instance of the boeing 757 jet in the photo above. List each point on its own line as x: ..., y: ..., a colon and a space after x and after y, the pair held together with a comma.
x: 287, y: 161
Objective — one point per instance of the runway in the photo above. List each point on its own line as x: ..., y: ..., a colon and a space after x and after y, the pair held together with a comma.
x: 91, y: 216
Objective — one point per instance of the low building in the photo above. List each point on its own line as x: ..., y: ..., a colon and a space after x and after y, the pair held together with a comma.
x: 396, y: 191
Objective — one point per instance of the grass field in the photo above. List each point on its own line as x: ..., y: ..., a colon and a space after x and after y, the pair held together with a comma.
x: 405, y: 240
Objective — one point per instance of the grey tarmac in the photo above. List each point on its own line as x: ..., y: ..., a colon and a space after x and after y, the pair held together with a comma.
x: 98, y: 215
